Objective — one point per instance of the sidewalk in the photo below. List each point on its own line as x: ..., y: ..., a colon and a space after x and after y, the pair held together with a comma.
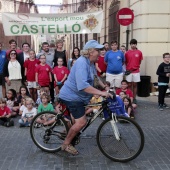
x: 153, y: 99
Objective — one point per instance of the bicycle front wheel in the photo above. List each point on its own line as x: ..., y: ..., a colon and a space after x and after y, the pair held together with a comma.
x: 121, y: 141
x: 48, y: 132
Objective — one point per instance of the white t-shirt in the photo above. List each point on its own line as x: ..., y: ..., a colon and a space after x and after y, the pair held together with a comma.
x: 22, y: 108
x: 30, y: 113
x: 26, y: 56
x: 14, y: 69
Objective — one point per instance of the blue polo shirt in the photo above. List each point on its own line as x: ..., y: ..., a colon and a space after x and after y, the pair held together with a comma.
x: 81, y: 76
x: 3, y: 59
x: 114, y: 60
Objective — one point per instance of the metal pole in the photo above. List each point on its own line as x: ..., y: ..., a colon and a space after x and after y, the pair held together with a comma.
x: 127, y: 30
x: 127, y: 37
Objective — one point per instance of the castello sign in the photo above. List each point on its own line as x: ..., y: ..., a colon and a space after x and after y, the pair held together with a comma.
x: 28, y: 24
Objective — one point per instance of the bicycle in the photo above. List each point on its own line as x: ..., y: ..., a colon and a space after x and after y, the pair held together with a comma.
x: 119, y: 138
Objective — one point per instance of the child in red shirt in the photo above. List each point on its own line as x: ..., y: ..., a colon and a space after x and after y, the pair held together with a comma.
x: 5, y: 114
x: 124, y: 88
x: 60, y: 74
x: 30, y: 66
x: 101, y: 65
x: 43, y: 74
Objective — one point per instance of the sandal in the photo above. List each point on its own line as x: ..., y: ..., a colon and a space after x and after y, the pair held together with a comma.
x: 69, y: 149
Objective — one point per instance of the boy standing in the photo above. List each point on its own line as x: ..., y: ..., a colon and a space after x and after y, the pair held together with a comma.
x: 114, y: 60
x: 133, y: 58
x: 163, y: 73
x: 101, y: 65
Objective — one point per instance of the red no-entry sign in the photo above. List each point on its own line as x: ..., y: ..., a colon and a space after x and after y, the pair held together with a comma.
x: 125, y: 16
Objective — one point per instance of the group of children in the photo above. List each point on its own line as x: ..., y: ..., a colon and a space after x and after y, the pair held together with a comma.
x: 124, y: 93
x: 23, y: 105
x: 39, y: 74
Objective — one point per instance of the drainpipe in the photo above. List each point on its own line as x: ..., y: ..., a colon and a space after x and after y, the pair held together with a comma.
x: 127, y: 30
x: 105, y: 21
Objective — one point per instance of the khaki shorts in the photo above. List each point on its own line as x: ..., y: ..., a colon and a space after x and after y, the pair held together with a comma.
x: 15, y: 84
x: 114, y: 79
x: 133, y: 77
x: 32, y: 84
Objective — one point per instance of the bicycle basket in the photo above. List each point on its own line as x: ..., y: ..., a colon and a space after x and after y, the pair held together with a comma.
x: 115, y: 106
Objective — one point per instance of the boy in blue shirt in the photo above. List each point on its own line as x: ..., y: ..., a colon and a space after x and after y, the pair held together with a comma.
x: 115, y: 60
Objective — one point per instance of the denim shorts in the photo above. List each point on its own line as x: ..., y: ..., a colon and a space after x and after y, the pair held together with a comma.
x: 76, y: 108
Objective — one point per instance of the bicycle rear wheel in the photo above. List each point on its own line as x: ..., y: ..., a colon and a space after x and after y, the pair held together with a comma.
x: 48, y: 137
x: 130, y: 142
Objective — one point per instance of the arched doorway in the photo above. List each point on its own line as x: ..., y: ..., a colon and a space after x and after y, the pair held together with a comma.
x: 114, y: 27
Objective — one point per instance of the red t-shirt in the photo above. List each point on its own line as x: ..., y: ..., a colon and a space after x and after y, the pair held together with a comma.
x: 5, y: 111
x: 133, y: 59
x: 31, y: 65
x: 43, y: 74
x: 101, y: 65
x: 60, y: 72
x: 127, y: 91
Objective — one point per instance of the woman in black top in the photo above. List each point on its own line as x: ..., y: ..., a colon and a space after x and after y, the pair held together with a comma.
x: 13, y: 72
x: 75, y: 55
x: 59, y: 52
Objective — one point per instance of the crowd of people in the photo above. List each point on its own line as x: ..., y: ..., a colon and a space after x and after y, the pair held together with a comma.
x: 27, y: 77
x: 33, y: 83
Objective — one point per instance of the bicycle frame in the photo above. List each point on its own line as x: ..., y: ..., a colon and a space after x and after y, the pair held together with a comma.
x: 113, y: 121
x: 91, y: 120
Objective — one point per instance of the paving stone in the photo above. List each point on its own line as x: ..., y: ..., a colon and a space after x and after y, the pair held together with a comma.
x: 18, y: 152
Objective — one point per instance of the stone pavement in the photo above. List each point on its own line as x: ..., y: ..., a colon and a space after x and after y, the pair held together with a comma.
x: 17, y: 151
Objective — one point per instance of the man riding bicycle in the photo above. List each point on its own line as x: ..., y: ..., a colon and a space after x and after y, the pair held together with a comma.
x: 78, y: 90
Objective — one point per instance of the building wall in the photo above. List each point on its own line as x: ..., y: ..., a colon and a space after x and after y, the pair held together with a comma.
x: 103, y: 36
x: 151, y: 27
x: 18, y: 7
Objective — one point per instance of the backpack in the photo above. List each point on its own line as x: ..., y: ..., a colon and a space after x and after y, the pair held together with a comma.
x: 116, y: 106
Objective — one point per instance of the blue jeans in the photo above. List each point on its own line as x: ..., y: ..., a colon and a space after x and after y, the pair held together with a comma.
x: 76, y: 108
x: 21, y: 122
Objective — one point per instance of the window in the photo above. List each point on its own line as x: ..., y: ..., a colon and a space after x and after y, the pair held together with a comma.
x: 114, y: 27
